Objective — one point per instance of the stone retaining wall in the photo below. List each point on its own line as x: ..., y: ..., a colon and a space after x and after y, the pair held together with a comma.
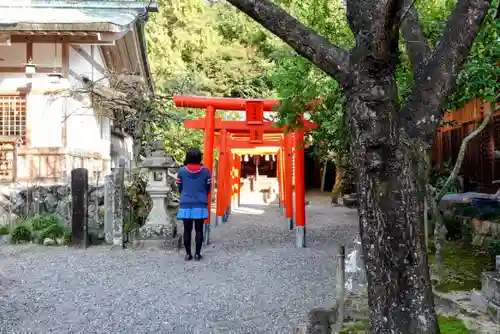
x: 484, y: 231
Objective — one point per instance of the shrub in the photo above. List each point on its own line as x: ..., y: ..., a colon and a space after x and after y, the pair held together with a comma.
x: 494, y: 249
x: 453, y: 226
x: 20, y: 233
x: 67, y: 237
x: 53, y: 231
x: 41, y: 222
x: 4, y: 230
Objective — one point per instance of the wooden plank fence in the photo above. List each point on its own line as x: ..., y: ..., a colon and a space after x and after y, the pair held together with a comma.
x: 479, y: 169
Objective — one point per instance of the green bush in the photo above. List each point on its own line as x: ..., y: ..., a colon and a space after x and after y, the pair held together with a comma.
x: 53, y: 231
x: 67, y: 237
x: 453, y: 226
x: 41, y: 222
x: 494, y: 249
x: 20, y: 233
x: 4, y: 230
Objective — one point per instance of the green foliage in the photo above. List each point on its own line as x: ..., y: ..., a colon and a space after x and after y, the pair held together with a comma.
x: 200, y: 49
x: 138, y: 202
x: 451, y: 325
x: 330, y: 139
x: 40, y: 222
x: 212, y: 49
x: 52, y: 231
x: 438, y: 178
x: 481, y: 76
x: 494, y: 249
x: 130, y: 225
x: 457, y: 228
x: 447, y: 325
x: 19, y: 234
x: 67, y: 237
x: 4, y: 230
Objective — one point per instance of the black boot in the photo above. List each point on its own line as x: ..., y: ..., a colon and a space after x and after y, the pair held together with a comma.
x: 188, y: 257
x: 198, y: 257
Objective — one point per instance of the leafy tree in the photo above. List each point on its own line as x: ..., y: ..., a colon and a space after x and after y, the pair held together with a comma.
x: 192, y: 52
x: 390, y: 140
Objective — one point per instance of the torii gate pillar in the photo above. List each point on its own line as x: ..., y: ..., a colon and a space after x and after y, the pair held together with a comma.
x: 208, y: 161
x: 300, y: 191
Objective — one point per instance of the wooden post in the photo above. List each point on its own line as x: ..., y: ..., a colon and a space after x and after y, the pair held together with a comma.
x: 288, y: 182
x: 340, y: 288
x: 323, y: 176
x: 300, y: 193
x: 79, y: 219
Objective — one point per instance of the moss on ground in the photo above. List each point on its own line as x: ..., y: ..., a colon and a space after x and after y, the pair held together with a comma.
x: 452, y: 325
x: 464, y: 266
x: 359, y: 326
x: 447, y: 325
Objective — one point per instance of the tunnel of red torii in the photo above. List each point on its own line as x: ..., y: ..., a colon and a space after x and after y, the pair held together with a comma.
x: 253, y: 136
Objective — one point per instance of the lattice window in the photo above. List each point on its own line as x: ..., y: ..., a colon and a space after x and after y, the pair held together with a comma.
x: 13, y: 118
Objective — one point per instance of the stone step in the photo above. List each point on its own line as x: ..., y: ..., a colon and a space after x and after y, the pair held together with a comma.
x: 490, y: 282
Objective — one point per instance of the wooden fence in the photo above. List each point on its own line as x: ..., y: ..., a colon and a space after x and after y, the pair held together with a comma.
x: 479, y: 168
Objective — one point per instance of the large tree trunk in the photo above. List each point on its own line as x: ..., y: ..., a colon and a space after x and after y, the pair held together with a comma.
x: 389, y: 198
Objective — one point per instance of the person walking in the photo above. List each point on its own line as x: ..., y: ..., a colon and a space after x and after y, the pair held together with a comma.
x: 194, y: 182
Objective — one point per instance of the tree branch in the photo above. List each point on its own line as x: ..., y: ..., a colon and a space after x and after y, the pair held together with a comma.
x: 416, y: 44
x: 463, y: 149
x: 332, y: 59
x: 423, y: 111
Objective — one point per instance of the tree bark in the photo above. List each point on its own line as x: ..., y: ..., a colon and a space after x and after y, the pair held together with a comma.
x: 416, y: 44
x: 400, y: 295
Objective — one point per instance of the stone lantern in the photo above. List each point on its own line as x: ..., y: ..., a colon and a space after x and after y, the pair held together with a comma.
x: 159, y: 227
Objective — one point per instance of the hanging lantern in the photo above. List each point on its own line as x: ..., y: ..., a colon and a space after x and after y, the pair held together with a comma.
x: 267, y: 157
x: 274, y: 157
x: 241, y: 158
x: 246, y: 158
x: 30, y: 68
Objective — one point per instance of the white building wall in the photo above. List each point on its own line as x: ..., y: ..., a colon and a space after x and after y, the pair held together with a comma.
x: 87, y: 132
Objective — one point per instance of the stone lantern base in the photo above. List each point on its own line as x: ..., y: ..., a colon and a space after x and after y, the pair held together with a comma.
x: 162, y: 236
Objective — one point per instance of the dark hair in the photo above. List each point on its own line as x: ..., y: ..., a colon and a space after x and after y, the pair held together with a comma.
x: 193, y: 156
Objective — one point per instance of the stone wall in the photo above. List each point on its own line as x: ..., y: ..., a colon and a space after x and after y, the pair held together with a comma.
x: 484, y: 231
x: 17, y: 202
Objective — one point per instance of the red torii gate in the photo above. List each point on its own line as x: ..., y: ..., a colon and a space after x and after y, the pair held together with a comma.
x: 249, y: 135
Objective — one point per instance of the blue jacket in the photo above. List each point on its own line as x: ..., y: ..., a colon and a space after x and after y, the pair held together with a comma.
x: 194, y: 183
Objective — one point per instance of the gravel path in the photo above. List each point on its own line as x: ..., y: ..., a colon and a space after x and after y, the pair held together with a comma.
x: 252, y: 280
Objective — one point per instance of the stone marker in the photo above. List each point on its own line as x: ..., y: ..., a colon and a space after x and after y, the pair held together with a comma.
x: 118, y: 199
x: 79, y: 219
x: 109, y: 193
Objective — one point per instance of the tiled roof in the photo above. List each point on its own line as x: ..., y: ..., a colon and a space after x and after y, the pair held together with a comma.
x: 70, y: 15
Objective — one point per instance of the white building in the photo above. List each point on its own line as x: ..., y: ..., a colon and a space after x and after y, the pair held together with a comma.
x: 46, y: 46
